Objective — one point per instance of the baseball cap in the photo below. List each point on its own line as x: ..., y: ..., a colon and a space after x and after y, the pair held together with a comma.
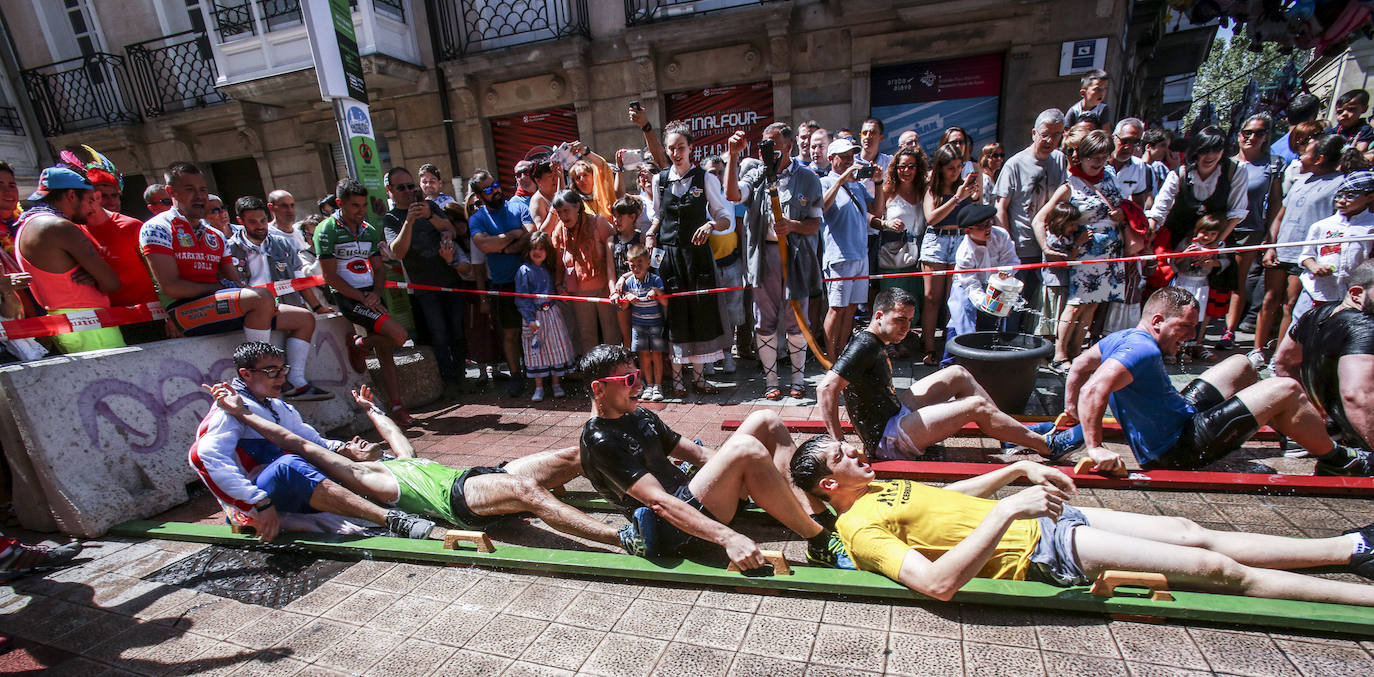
x: 841, y: 146
x: 975, y: 214
x: 58, y: 178
x: 1358, y: 182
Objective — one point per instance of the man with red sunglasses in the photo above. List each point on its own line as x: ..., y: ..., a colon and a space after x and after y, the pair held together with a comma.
x: 625, y: 453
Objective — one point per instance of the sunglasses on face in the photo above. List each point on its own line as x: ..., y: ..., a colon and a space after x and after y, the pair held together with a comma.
x: 1248, y: 133
x: 405, y: 188
x: 274, y: 372
x: 164, y: 201
x: 1131, y: 141
x: 902, y: 168
x: 998, y: 155
x: 491, y: 190
x: 630, y: 378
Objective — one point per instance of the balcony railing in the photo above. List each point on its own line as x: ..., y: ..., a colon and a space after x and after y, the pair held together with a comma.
x: 10, y: 121
x: 174, y: 73
x: 639, y: 12
x: 234, y: 18
x: 470, y: 26
x: 81, y: 93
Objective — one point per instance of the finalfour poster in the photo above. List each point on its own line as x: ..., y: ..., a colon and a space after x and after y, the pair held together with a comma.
x: 514, y: 136
x: 930, y: 96
x: 714, y: 113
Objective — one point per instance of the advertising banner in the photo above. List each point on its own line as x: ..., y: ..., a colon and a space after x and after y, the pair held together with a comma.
x: 715, y: 113
x: 366, y: 163
x: 931, y: 96
x: 514, y: 136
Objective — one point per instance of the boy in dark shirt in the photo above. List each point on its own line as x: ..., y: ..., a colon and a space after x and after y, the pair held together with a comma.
x: 625, y: 450
x: 1350, y: 120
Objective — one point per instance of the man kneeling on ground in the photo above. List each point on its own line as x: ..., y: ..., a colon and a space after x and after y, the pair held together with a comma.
x: 900, y: 425
x: 1214, y: 414
x: 469, y: 498
x: 625, y: 450
x: 934, y: 540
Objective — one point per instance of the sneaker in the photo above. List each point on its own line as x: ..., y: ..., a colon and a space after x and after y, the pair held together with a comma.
x: 558, y: 390
x: 1362, y: 563
x: 688, y: 468
x: 538, y: 394
x: 1256, y: 358
x: 1361, y: 464
x: 515, y: 387
x: 32, y: 559
x: 406, y: 525
x: 1246, y: 327
x: 657, y: 395
x: 307, y: 393
x: 357, y: 354
x: 640, y: 536
x: 1228, y: 340
x: 833, y: 555
x: 1041, y: 429
x: 1064, y: 442
x: 728, y: 366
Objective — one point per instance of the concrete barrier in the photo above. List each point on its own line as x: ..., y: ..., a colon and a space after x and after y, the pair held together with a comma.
x: 98, y: 438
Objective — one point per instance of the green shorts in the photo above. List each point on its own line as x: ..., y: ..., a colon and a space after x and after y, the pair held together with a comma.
x: 436, y: 491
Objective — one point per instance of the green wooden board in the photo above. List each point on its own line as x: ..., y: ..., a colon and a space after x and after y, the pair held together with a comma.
x: 1188, y: 606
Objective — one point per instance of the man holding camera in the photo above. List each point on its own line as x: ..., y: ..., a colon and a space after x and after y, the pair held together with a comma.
x: 849, y: 212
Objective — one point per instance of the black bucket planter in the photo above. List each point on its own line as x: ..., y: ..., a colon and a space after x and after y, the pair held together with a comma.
x: 1004, y: 364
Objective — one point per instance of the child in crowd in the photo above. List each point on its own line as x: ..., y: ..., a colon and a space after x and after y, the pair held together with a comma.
x: 1350, y: 120
x: 626, y: 211
x: 984, y: 246
x: 1190, y: 273
x: 548, y: 350
x: 1326, y: 267
x: 640, y: 290
x: 1093, y: 93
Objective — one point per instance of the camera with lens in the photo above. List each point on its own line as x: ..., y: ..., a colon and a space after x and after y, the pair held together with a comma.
x: 767, y: 154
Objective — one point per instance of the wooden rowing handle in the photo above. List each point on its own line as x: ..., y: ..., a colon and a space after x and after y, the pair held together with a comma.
x: 1107, y: 583
x: 479, y: 538
x: 1062, y: 421
x: 1085, y: 465
x: 773, y: 557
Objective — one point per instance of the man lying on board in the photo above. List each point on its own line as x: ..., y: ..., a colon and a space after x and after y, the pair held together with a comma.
x: 934, y: 540
x: 469, y: 498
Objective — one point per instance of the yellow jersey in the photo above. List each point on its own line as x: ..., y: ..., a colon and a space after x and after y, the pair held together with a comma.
x: 898, y: 515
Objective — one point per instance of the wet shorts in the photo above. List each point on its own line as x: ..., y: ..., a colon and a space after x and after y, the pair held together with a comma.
x: 1053, y: 560
x: 458, y: 502
x: 896, y: 445
x: 1220, y: 426
x: 361, y: 315
x: 290, y: 481
x: 674, y: 541
x: 215, y: 313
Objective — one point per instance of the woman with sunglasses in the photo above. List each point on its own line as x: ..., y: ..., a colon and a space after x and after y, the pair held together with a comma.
x: 689, y: 203
x: 1264, y: 195
x: 989, y: 166
x: 957, y: 137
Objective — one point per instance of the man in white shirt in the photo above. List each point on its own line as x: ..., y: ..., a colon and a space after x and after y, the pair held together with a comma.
x: 1133, y: 175
x: 283, y: 208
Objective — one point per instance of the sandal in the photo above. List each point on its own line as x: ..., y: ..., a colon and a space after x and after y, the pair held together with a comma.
x: 704, y: 387
x: 773, y: 393
x: 1061, y: 367
x: 797, y: 391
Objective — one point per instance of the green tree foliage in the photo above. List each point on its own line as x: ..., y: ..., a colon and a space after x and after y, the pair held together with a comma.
x: 1229, y: 66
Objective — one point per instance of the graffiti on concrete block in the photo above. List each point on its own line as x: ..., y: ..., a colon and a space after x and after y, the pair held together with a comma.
x: 142, y: 412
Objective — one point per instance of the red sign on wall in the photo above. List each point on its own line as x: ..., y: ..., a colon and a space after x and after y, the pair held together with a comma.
x: 514, y: 136
x: 715, y: 113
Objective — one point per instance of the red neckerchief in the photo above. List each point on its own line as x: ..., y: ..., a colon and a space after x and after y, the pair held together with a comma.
x: 1075, y: 170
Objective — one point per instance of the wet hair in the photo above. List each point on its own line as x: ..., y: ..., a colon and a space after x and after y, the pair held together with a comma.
x: 601, y: 360
x: 1329, y: 151
x: 892, y: 298
x: 677, y: 127
x: 349, y: 187
x: 1362, y: 276
x: 1359, y: 96
x: 1209, y: 139
x: 785, y: 131
x: 177, y: 169
x: 809, y: 464
x: 248, y: 203
x: 393, y: 172
x: 1096, y: 142
x: 1094, y: 74
x: 944, y: 156
x: 627, y: 206
x: 541, y: 240
x: 890, y: 179
x: 1303, y: 107
x: 1169, y: 302
x: 635, y: 251
x: 1061, y: 218
x: 250, y: 353
x: 429, y: 168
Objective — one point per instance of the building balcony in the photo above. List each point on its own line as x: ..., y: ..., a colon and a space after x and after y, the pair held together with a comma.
x: 174, y: 73
x: 464, y: 27
x: 640, y: 12
x: 89, y: 91
x: 256, y: 39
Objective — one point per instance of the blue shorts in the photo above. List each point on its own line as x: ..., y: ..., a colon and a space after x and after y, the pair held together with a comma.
x: 648, y: 338
x: 940, y: 245
x: 1054, y: 560
x: 289, y: 481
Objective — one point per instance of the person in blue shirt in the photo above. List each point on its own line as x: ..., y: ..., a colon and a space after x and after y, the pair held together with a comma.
x: 1214, y: 414
x: 501, y: 229
x: 849, y: 212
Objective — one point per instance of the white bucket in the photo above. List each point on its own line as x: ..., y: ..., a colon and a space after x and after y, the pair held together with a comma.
x: 1002, y: 295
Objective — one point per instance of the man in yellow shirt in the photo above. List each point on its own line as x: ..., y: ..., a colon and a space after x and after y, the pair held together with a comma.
x: 934, y: 540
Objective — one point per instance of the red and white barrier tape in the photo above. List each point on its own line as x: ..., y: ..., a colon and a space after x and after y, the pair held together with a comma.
x: 548, y: 297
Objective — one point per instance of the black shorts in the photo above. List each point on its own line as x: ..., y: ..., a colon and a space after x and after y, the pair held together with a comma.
x: 503, y: 307
x: 1220, y: 427
x: 674, y: 541
x: 361, y: 315
x: 216, y: 313
x: 1244, y: 238
x: 458, y: 502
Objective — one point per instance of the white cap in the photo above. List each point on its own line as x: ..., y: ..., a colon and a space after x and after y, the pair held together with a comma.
x: 841, y: 146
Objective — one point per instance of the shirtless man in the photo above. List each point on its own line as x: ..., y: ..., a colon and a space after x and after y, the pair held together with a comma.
x: 934, y: 540
x: 895, y: 425
x: 470, y: 498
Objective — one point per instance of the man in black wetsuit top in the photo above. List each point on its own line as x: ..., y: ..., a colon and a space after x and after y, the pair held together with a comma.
x: 625, y: 454
x: 900, y: 425
x: 1331, y: 351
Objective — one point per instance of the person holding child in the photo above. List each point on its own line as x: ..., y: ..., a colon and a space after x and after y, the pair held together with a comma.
x: 1191, y: 274
x: 627, y: 211
x: 544, y: 337
x: 641, y: 291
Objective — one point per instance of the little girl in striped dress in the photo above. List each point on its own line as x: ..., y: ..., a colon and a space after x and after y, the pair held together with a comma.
x: 548, y: 350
